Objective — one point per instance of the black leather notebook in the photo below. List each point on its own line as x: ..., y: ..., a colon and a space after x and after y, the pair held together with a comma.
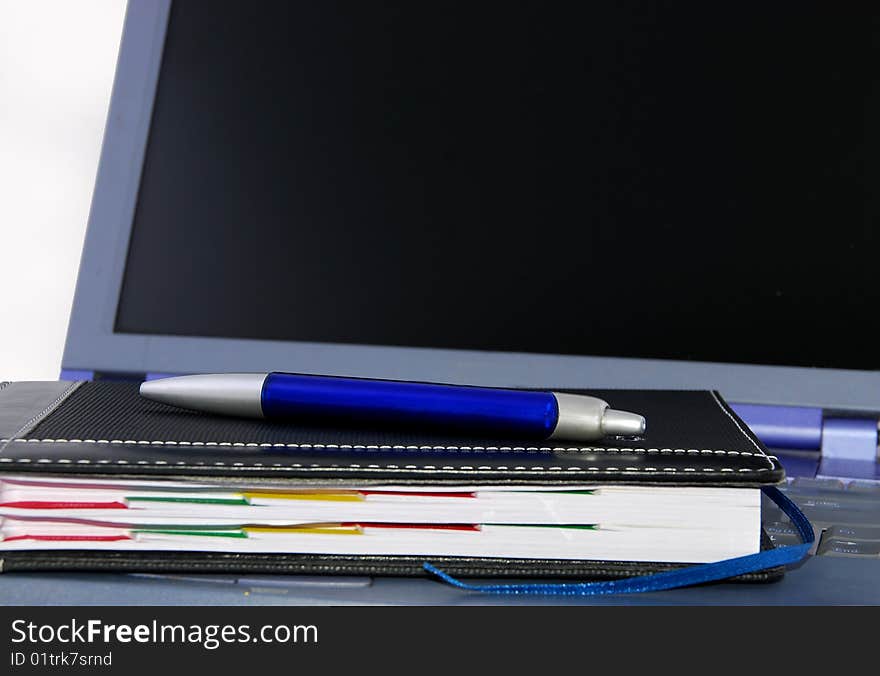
x: 96, y: 430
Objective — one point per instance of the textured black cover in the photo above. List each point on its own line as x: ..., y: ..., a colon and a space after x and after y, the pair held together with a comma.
x: 328, y: 564
x: 104, y: 428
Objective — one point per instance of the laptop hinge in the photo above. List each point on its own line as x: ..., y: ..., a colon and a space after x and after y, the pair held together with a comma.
x: 113, y: 376
x: 789, y: 427
x: 849, y: 449
x: 847, y: 445
x: 76, y: 374
x: 850, y: 439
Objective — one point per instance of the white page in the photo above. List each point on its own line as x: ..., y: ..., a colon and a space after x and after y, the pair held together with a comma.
x: 680, y: 507
x: 630, y: 544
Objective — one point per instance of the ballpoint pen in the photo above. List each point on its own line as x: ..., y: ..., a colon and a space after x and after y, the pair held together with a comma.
x: 521, y: 414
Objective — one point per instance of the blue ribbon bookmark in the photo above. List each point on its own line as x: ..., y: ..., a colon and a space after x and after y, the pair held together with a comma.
x: 683, y: 577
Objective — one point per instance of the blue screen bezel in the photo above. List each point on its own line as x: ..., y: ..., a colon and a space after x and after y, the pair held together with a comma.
x: 92, y: 344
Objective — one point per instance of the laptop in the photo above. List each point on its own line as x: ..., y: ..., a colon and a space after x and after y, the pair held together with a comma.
x: 537, y: 196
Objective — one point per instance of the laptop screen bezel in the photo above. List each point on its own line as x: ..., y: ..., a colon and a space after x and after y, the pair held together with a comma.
x: 92, y: 344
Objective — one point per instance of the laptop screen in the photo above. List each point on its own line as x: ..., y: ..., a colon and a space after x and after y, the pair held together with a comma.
x: 613, y: 179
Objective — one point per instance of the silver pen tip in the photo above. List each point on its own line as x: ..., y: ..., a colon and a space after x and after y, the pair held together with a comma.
x: 237, y: 394
x: 622, y: 423
x: 159, y: 390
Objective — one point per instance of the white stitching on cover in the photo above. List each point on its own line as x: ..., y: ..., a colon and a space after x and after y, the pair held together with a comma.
x: 408, y: 468
x: 39, y: 417
x: 426, y: 468
x: 365, y: 447
x: 739, y: 427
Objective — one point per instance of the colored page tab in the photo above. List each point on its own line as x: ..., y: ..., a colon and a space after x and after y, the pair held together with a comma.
x: 238, y: 500
x: 238, y: 533
x: 68, y: 538
x: 341, y: 496
x: 60, y: 504
x: 317, y: 529
x: 416, y: 526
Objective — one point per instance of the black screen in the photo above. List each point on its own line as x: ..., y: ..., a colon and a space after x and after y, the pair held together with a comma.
x: 665, y: 180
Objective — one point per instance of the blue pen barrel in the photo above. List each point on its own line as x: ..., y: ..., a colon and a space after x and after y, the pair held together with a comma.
x: 484, y: 411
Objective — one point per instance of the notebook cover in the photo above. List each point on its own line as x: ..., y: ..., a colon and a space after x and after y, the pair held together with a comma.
x: 102, y: 429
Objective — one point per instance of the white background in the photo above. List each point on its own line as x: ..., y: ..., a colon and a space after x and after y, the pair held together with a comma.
x: 57, y: 60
